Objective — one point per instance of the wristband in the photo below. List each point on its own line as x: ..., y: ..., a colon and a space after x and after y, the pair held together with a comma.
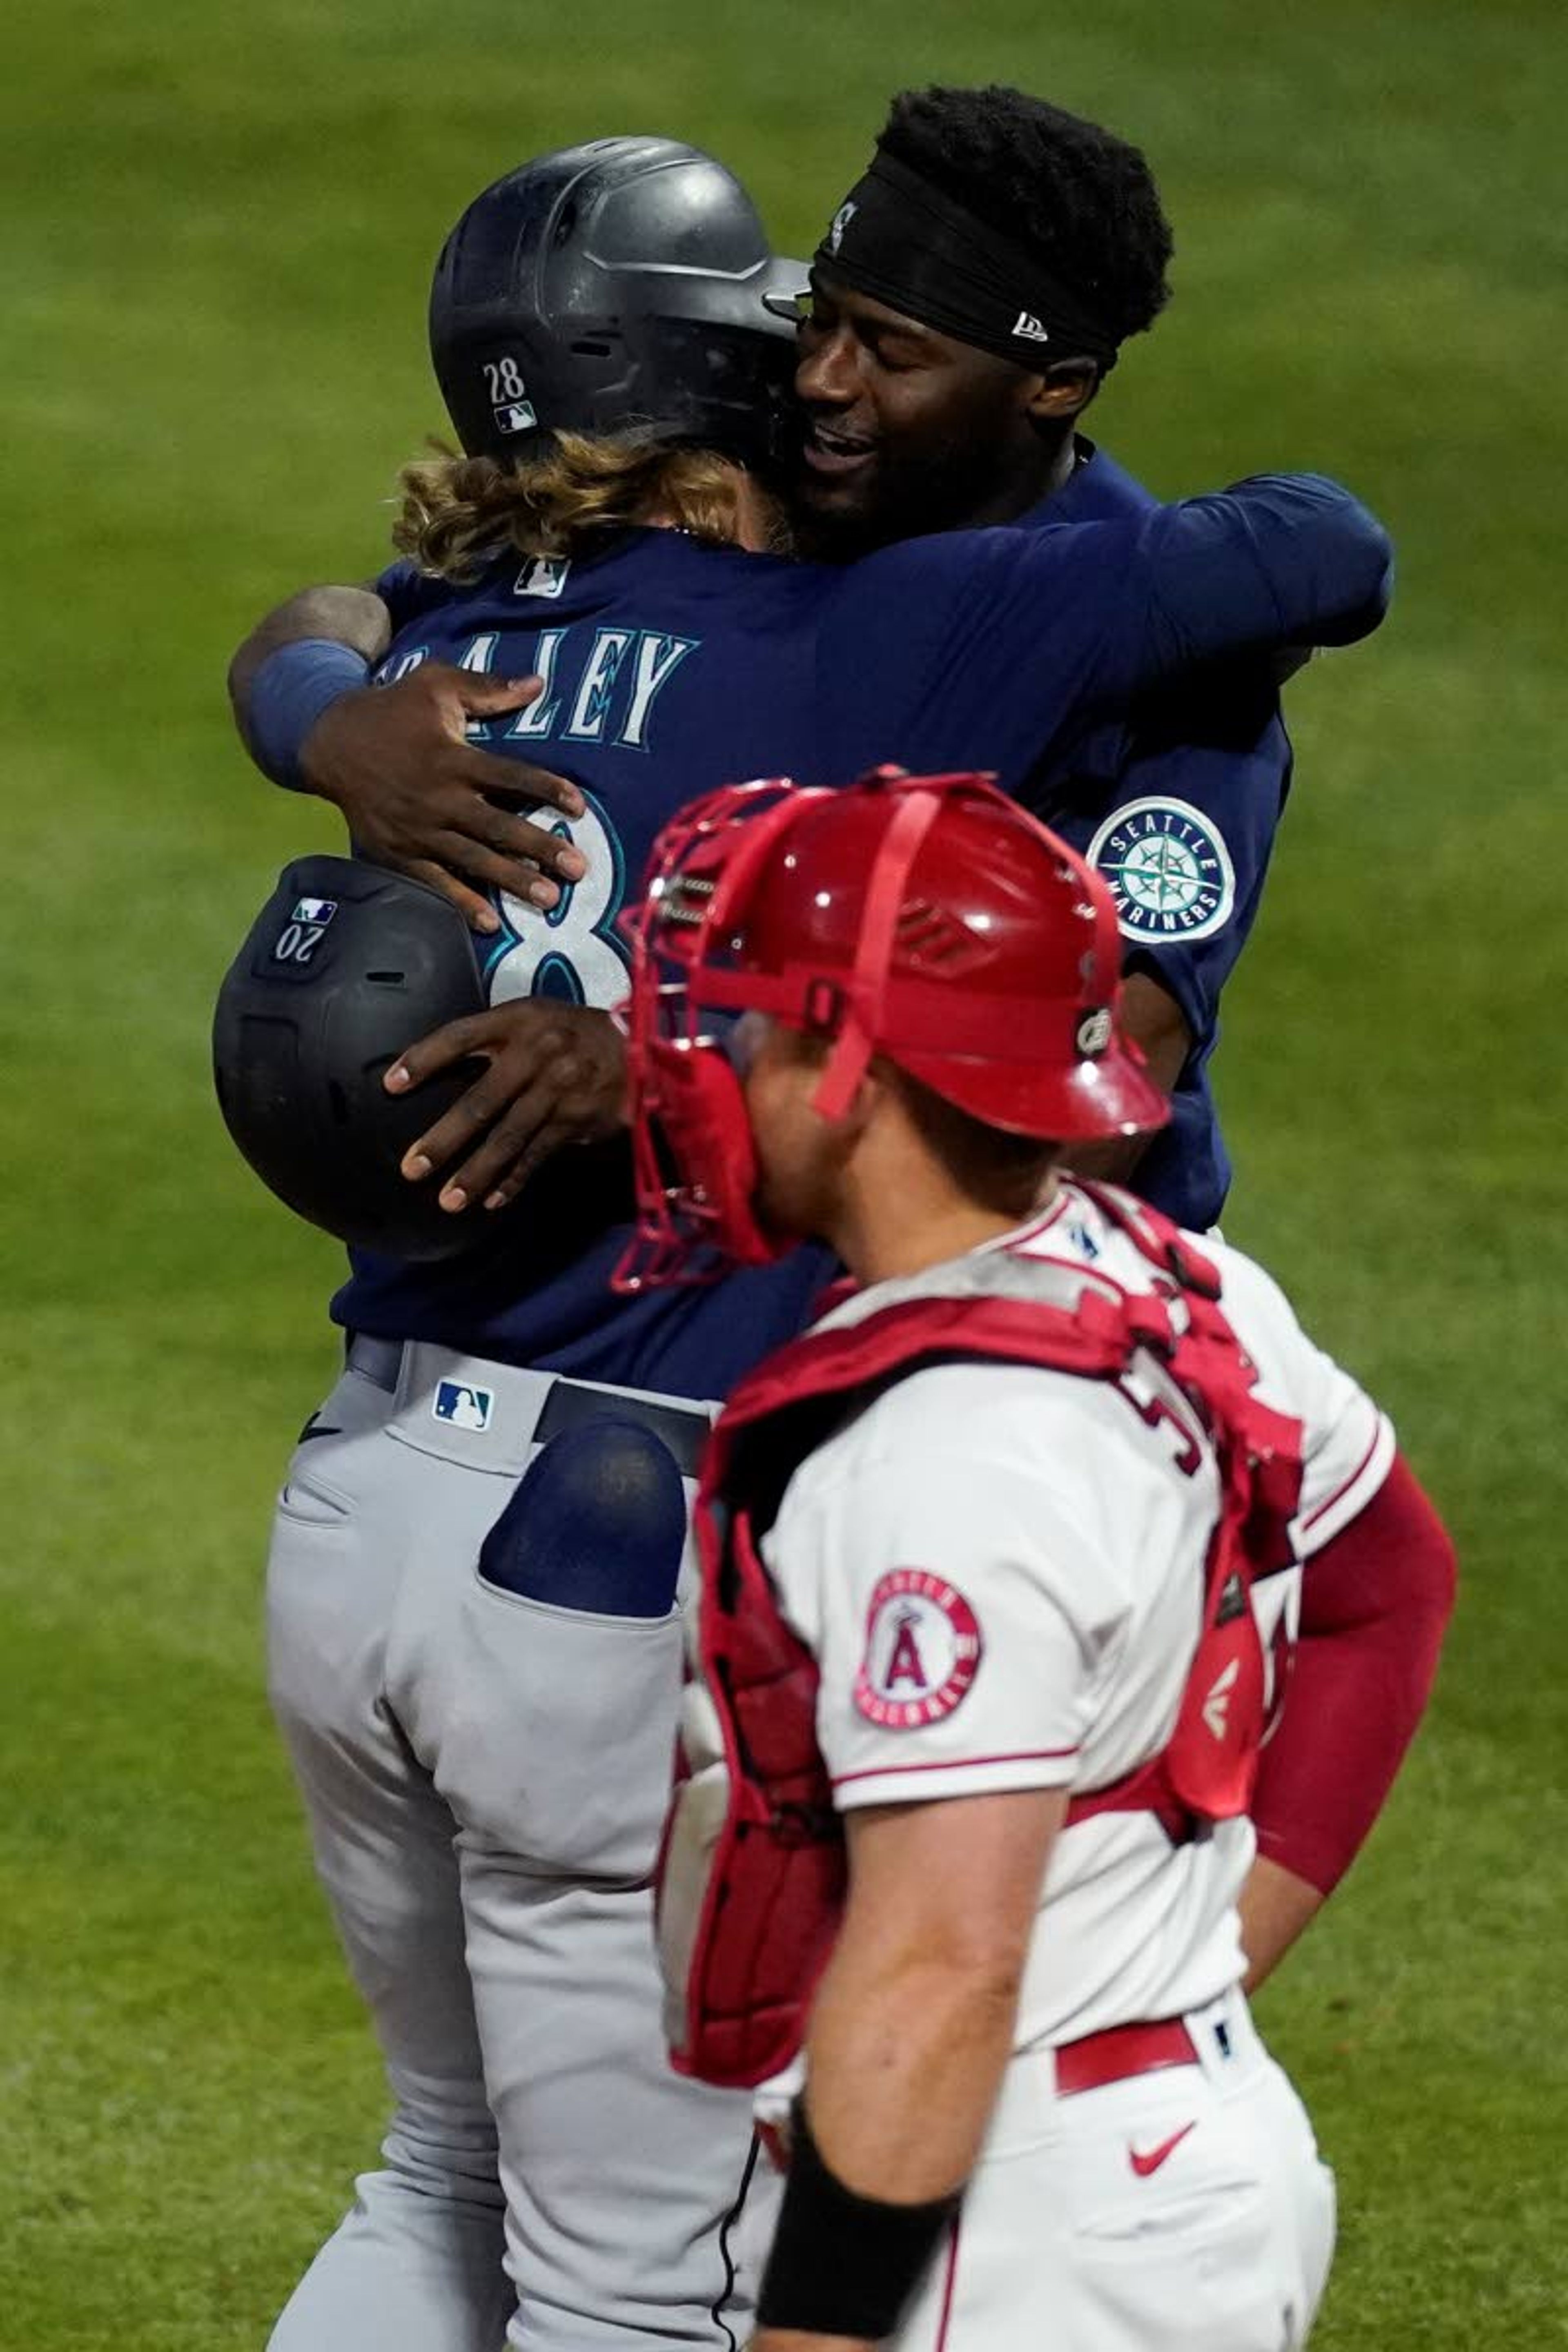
x: 843, y: 2264
x: 289, y: 693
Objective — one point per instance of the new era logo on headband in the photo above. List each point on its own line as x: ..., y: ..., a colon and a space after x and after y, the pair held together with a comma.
x: 841, y: 220
x: 1028, y: 330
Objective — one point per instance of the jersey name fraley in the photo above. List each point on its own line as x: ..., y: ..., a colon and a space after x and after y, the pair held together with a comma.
x: 922, y: 1651
x: 600, y: 685
x: 1169, y: 870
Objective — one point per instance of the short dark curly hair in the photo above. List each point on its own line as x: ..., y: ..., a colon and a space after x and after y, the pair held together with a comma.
x: 1077, y: 195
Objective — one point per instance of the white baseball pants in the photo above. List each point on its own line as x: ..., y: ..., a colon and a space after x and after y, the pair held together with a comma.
x: 1181, y: 2210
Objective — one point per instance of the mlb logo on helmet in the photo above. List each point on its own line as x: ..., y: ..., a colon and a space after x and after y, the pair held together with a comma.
x: 314, y: 910
x: 462, y: 1407
x: 516, y: 416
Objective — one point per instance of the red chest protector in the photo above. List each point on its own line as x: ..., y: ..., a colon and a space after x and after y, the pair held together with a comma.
x: 753, y: 1878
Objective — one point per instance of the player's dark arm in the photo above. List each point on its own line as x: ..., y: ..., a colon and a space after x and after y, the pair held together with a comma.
x: 910, y: 2034
x: 1279, y: 559
x: 553, y: 1074
x: 355, y: 618
x: 995, y: 649
x: 416, y: 794
x: 1376, y: 1604
x: 1214, y: 746
x: 1044, y: 628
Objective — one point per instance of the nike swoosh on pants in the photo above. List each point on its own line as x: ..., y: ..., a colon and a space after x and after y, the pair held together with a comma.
x: 1145, y: 2162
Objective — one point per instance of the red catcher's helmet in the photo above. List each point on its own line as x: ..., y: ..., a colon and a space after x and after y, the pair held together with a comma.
x: 926, y: 919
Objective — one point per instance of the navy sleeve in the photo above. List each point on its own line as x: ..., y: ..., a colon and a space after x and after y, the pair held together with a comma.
x: 409, y: 593
x: 1182, y: 827
x: 985, y: 648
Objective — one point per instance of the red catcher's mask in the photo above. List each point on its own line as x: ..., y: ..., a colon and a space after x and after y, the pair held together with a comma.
x: 926, y: 919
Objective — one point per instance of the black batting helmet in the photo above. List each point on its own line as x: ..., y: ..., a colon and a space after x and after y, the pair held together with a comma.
x: 345, y: 967
x: 614, y: 285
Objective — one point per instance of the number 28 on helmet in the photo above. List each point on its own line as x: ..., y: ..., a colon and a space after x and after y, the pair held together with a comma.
x: 927, y: 919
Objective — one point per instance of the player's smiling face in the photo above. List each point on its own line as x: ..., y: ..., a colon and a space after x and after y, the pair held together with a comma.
x: 905, y: 430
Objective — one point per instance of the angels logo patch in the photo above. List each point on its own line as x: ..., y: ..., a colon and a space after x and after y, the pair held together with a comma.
x: 1169, y: 870
x: 922, y: 1651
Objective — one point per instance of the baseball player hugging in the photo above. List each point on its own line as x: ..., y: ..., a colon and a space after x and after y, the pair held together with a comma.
x: 479, y: 1555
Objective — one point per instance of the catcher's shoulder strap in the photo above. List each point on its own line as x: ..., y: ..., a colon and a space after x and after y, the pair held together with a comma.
x: 1156, y: 1237
x: 781, y: 1411
x: 1038, y: 1312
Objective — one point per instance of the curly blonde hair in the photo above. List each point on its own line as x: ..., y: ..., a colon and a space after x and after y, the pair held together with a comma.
x: 458, y: 514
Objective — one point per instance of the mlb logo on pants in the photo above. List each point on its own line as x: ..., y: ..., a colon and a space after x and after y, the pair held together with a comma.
x: 463, y: 1407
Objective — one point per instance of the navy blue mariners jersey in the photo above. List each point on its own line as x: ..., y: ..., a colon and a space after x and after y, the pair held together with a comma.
x: 1176, y: 802
x: 670, y: 668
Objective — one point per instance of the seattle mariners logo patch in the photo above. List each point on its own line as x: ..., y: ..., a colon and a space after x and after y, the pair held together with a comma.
x: 462, y: 1407
x: 1169, y: 870
x: 922, y: 1651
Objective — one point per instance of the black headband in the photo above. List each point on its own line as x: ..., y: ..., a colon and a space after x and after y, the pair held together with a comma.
x: 910, y: 245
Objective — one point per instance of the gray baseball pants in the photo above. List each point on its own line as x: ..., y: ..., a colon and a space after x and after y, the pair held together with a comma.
x: 484, y: 1774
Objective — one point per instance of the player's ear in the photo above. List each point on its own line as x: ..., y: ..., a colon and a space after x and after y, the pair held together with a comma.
x: 877, y: 1087
x: 1064, y: 390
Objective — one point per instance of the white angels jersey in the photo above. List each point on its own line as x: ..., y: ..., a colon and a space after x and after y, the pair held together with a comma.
x: 1000, y: 1570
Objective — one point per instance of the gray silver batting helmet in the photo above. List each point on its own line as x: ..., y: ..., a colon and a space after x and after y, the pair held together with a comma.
x: 617, y: 284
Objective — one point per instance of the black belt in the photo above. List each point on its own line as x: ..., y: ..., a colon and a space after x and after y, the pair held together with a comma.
x: 570, y: 1404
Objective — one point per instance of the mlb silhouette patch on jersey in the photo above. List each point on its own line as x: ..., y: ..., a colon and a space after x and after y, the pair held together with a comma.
x: 463, y: 1407
x: 922, y: 1651
x: 542, y: 575
x: 1169, y: 870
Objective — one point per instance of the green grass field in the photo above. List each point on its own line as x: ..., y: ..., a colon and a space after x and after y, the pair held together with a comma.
x: 218, y: 230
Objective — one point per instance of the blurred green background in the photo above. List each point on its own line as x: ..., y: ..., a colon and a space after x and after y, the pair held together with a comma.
x: 218, y: 228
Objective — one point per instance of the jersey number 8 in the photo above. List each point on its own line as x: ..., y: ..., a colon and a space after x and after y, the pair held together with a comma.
x: 572, y: 951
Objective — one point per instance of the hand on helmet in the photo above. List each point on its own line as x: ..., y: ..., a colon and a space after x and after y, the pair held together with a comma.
x: 556, y: 1074
x: 421, y: 799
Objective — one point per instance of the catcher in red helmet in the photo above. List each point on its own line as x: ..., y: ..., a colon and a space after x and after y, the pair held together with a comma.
x: 927, y: 921
x: 1002, y: 1565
